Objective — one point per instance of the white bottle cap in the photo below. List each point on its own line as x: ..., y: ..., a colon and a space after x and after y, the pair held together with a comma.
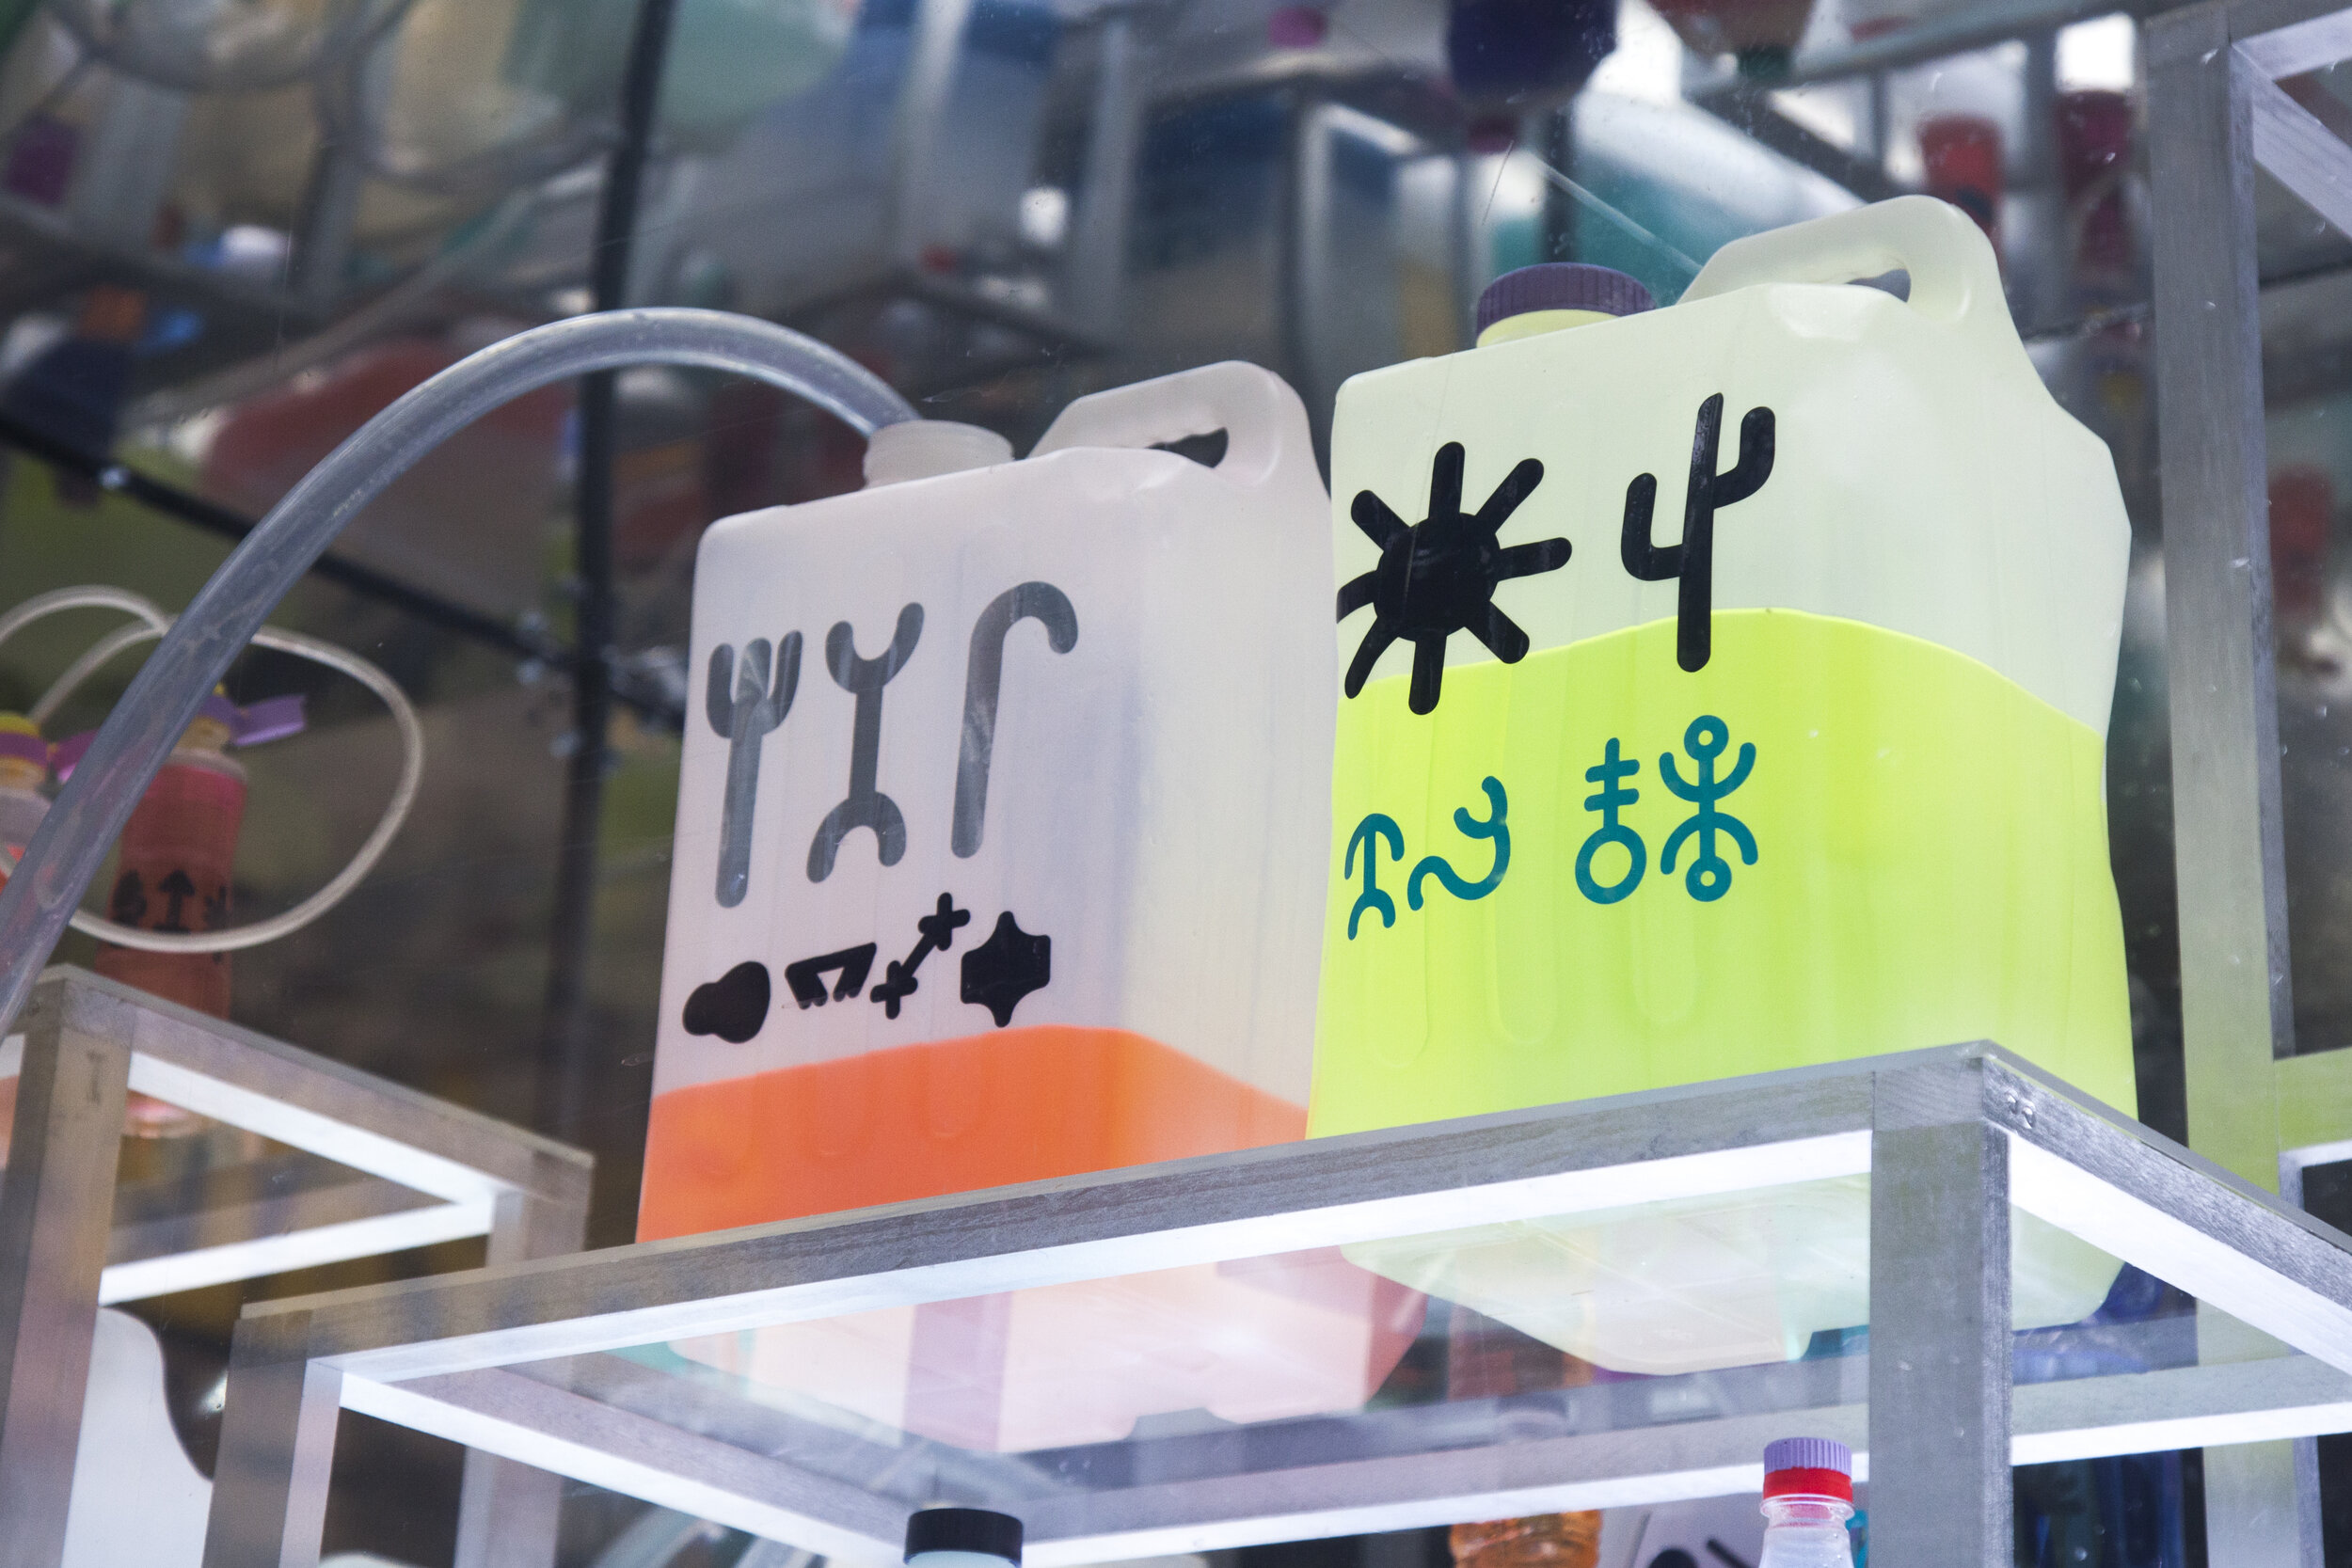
x: 924, y: 449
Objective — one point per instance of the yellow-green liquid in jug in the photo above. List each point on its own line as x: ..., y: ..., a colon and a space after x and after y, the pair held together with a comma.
x: 1876, y: 845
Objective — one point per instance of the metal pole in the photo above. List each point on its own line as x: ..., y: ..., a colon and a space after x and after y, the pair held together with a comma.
x: 277, y: 1448
x: 1939, y: 1326
x: 508, y: 1513
x: 1559, y: 213
x: 2237, y: 1006
x: 57, y: 1210
x: 566, y: 1063
x: 2237, y: 1009
x: 1098, y: 245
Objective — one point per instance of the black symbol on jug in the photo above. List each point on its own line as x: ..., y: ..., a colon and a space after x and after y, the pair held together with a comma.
x: 984, y: 673
x: 806, y: 979
x: 177, y: 889
x: 1007, y: 967
x: 127, y: 905
x: 1693, y: 559
x: 866, y: 806
x: 1439, y: 576
x: 938, y: 933
x: 743, y: 705
x: 732, y: 1006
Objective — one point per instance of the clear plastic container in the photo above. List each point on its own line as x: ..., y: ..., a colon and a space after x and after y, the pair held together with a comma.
x: 1807, y: 1532
x: 1807, y: 770
x: 999, y: 859
x: 1808, y: 1497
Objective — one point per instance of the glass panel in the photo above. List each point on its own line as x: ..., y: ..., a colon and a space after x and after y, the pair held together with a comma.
x: 1749, y: 1309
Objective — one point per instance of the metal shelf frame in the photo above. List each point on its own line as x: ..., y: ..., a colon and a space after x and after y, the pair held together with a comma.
x: 1951, y: 1139
x: 427, y: 1172
x: 2218, y: 114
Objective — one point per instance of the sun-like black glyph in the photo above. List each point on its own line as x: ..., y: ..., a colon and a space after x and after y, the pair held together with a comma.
x: 1439, y: 576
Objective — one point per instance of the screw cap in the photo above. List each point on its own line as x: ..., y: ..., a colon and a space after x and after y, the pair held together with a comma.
x: 963, y: 1530
x: 1562, y: 285
x: 1812, y: 1466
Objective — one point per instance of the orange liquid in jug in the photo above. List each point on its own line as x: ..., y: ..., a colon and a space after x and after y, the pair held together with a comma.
x: 1249, y: 1339
x: 1022, y: 1105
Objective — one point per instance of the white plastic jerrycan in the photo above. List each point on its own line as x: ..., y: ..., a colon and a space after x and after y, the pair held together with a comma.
x: 999, y: 857
x: 1726, y: 689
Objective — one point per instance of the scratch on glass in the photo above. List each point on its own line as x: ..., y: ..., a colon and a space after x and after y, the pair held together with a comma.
x: 1689, y: 268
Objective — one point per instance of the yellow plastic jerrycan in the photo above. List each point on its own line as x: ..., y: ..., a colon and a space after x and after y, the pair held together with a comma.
x: 1724, y: 688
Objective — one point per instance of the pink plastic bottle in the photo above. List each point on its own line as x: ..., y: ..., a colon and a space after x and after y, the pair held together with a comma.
x: 1808, y: 1497
x: 178, y: 853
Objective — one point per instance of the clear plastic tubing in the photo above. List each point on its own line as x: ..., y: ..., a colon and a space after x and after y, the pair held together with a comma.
x: 72, y: 846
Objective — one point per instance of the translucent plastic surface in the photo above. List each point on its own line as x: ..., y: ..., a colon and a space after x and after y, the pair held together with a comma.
x: 999, y: 826
x: 1115, y: 1386
x: 954, y: 901
x: 1805, y: 1533
x: 1821, y: 779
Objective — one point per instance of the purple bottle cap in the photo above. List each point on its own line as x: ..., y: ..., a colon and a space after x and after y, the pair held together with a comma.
x: 23, y: 746
x: 1808, y: 1453
x: 1808, y: 1467
x: 272, y: 718
x: 1562, y: 285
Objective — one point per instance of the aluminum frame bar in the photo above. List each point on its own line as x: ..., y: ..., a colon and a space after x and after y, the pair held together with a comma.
x: 532, y: 1422
x: 54, y: 1205
x: 2215, y: 114
x: 1940, y: 1328
x: 432, y: 1172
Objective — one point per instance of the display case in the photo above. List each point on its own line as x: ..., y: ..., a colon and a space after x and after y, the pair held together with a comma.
x: 712, y: 1374
x: 280, y: 1159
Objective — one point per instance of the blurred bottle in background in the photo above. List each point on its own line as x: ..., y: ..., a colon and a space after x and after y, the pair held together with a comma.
x: 1762, y: 33
x: 23, y: 767
x: 178, y: 854
x: 1963, y: 155
x: 2094, y: 146
x: 1486, y: 1360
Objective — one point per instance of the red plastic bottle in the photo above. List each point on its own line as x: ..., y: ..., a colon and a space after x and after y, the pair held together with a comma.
x: 1962, y: 155
x: 173, y: 869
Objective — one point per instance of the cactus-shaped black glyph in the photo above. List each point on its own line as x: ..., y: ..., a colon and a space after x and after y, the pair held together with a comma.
x: 743, y: 705
x: 865, y: 806
x: 984, y: 674
x: 1693, y: 559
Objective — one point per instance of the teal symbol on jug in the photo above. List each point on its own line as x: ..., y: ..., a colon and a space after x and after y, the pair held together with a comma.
x: 1613, y: 798
x: 1371, y: 832
x: 1493, y: 828
x: 1709, y: 876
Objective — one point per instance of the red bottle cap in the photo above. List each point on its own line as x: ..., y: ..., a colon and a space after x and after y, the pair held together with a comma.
x: 1808, y: 1467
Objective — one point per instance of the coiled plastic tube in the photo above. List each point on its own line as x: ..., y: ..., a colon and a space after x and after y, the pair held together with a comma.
x: 71, y: 844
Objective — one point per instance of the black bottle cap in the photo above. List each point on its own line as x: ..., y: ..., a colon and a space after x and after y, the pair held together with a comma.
x: 1562, y: 285
x: 964, y: 1529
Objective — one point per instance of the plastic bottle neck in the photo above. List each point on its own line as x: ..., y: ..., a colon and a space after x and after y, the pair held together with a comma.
x: 1796, y: 1508
x: 1806, y: 1531
x: 1532, y: 324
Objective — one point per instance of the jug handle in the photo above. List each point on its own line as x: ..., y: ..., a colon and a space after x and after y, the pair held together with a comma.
x: 1954, y: 276
x: 1264, y: 423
